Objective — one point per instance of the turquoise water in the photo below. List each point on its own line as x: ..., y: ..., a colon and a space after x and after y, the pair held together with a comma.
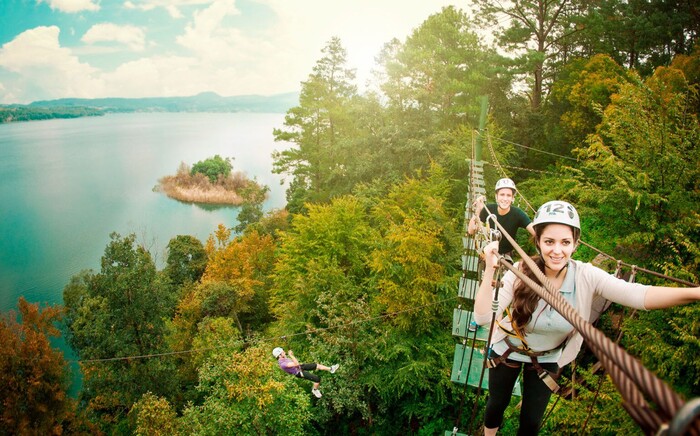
x: 65, y: 185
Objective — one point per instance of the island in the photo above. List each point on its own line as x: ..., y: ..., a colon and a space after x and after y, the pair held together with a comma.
x: 212, y: 181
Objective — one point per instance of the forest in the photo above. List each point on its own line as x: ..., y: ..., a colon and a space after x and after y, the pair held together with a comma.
x: 16, y: 113
x: 594, y: 103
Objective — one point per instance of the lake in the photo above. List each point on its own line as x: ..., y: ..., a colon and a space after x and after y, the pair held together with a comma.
x: 65, y: 185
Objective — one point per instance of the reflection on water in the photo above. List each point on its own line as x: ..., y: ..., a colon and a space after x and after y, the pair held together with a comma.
x: 212, y: 207
x: 209, y: 207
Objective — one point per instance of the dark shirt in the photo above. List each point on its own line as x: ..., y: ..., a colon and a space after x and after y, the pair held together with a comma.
x: 512, y: 221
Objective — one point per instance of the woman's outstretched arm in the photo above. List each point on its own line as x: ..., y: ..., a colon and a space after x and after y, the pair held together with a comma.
x: 661, y: 297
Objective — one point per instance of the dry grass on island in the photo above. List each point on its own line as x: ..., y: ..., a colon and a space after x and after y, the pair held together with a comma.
x: 212, y: 182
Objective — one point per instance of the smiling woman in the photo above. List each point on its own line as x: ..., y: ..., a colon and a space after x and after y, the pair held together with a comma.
x: 532, y: 338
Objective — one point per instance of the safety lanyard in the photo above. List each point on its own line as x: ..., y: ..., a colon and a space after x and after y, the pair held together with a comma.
x: 515, y: 333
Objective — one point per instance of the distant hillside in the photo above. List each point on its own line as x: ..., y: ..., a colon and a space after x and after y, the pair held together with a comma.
x: 204, y: 102
x: 17, y: 113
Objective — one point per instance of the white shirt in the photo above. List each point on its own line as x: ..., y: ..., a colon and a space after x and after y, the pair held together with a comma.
x: 547, y: 329
x: 590, y: 283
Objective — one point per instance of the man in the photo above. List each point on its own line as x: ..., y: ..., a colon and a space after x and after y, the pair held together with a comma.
x: 291, y: 366
x: 510, y: 217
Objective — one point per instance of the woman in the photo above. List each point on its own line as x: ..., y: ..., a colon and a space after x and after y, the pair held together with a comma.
x: 292, y: 366
x: 529, y: 335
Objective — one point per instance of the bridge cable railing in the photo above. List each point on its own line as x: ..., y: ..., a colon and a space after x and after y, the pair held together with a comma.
x: 498, y: 165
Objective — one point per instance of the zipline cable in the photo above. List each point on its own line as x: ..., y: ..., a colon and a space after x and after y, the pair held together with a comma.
x: 531, y: 148
x: 253, y: 341
x: 644, y: 270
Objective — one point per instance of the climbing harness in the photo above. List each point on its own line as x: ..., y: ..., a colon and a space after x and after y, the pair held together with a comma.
x: 546, y: 376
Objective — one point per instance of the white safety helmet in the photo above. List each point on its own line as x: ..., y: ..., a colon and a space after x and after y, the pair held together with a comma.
x: 505, y: 183
x: 558, y: 212
x: 277, y: 351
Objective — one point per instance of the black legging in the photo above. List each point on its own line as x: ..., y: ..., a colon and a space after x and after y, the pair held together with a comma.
x: 304, y: 373
x: 535, y: 395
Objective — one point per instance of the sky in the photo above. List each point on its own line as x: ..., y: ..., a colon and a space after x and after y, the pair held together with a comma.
x: 53, y: 49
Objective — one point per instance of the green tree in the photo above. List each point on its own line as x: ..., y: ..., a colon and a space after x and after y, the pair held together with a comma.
x: 117, y: 313
x: 583, y: 90
x: 327, y: 278
x: 690, y: 66
x: 433, y: 84
x: 413, y: 270
x: 155, y: 416
x: 435, y: 79
x: 642, y: 34
x: 248, y: 395
x: 320, y: 282
x: 186, y: 260
x: 214, y: 168
x: 409, y: 263
x: 322, y: 258
x: 272, y: 223
x: 247, y: 215
x: 317, y: 127
x: 237, y: 278
x: 534, y: 32
x: 641, y: 169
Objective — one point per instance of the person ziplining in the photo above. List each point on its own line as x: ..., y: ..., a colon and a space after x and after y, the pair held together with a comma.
x: 292, y: 366
x: 510, y: 217
x: 528, y: 335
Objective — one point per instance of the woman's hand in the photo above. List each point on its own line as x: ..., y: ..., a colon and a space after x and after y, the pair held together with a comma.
x: 478, y: 205
x: 482, y: 302
x: 491, y: 254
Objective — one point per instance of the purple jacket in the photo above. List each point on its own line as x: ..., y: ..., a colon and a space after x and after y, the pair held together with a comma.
x: 293, y: 370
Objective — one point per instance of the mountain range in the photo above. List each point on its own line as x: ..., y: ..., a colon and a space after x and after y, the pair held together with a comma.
x: 204, y: 102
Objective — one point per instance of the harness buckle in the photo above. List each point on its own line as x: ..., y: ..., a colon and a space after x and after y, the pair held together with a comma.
x: 548, y: 380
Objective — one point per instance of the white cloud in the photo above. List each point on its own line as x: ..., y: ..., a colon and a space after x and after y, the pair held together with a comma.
x: 205, y: 37
x: 72, y: 6
x: 174, y: 12
x: 131, y: 36
x: 209, y: 54
x: 156, y: 76
x: 43, y: 67
x: 132, y: 5
x: 363, y: 26
x: 169, y: 5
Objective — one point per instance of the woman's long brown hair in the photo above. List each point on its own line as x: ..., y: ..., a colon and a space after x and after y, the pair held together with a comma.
x: 524, y: 298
